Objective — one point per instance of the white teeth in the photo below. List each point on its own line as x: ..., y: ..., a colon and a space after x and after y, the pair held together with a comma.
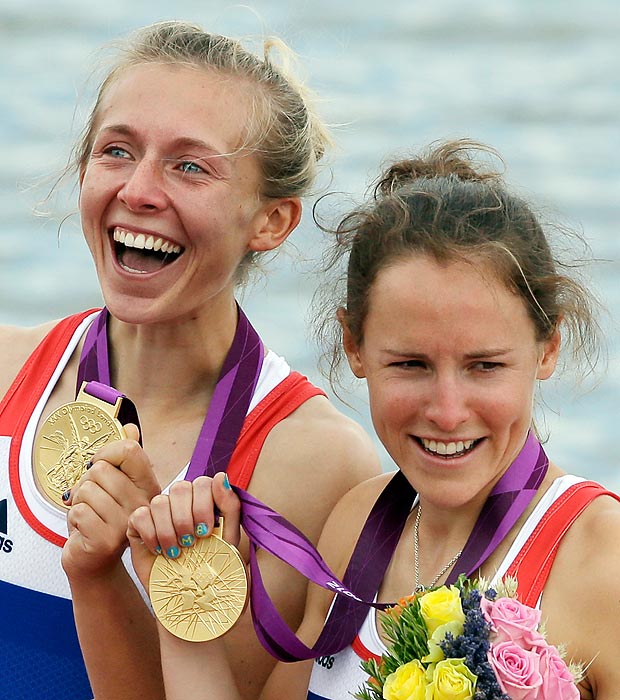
x: 447, y: 448
x: 142, y: 242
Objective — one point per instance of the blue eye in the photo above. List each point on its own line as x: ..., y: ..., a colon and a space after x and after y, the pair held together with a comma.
x: 188, y: 166
x: 116, y: 152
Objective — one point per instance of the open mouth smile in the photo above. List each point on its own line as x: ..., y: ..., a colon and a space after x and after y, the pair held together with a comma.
x: 448, y: 450
x: 143, y: 253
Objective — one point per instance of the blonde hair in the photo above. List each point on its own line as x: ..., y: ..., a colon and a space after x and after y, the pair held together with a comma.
x: 283, y: 130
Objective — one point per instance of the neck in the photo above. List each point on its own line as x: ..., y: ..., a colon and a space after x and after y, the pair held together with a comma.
x: 172, y: 361
x: 448, y: 525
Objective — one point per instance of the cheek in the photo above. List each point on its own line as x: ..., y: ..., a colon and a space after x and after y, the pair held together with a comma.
x: 507, y: 408
x: 87, y: 200
x: 88, y: 211
x: 393, y: 405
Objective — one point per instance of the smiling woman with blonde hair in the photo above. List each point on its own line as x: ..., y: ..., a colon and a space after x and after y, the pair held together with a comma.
x: 192, y: 165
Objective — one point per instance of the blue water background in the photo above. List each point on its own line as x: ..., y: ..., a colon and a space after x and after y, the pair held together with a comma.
x: 539, y: 80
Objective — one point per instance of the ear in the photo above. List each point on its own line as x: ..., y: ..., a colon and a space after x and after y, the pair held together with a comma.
x: 550, y: 351
x: 276, y: 219
x: 351, y: 347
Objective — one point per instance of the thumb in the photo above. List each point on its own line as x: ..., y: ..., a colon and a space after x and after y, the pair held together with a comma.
x: 229, y: 505
x: 142, y: 558
x: 132, y: 432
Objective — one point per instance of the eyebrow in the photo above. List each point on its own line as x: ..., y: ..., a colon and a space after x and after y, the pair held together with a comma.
x: 476, y: 355
x: 491, y: 352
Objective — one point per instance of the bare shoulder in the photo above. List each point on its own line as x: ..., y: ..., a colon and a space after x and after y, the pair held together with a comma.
x: 598, y: 525
x: 16, y: 344
x: 582, y: 598
x: 323, y: 436
x: 347, y: 519
x: 310, y: 460
x: 592, y: 547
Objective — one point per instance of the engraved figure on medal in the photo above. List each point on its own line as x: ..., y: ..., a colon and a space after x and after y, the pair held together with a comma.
x: 65, y: 443
x: 200, y: 595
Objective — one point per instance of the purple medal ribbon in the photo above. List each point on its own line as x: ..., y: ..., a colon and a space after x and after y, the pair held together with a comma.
x: 506, y: 503
x: 94, y: 361
x: 229, y: 404
x: 269, y: 530
x: 127, y: 412
x: 94, y: 369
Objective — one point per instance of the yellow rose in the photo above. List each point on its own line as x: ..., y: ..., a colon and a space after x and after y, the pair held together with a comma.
x: 440, y: 607
x: 408, y: 682
x: 451, y: 680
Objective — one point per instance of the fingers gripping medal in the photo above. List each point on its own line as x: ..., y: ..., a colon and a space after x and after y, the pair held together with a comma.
x: 71, y: 435
x: 200, y: 595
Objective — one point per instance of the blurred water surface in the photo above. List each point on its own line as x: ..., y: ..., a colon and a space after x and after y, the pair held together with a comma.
x: 537, y: 80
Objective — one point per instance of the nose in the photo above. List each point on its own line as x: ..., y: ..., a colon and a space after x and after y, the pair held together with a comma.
x: 144, y: 188
x: 447, y: 404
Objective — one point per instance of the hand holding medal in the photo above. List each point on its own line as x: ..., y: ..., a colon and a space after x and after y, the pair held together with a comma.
x: 197, y: 583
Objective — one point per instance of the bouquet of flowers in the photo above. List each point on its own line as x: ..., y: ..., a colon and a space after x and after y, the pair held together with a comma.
x: 468, y: 642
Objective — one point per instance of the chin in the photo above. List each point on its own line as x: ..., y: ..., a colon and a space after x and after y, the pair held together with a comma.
x: 134, y: 310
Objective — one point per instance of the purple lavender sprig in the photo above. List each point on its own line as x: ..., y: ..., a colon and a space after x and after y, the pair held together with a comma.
x: 473, y: 646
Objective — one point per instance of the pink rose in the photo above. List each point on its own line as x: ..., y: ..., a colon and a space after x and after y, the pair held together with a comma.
x: 557, y: 681
x: 517, y: 671
x: 512, y: 621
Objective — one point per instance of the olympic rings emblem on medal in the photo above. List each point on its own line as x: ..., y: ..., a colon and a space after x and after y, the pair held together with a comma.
x: 65, y: 443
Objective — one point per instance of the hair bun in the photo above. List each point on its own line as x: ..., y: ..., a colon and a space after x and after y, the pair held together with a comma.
x: 442, y: 159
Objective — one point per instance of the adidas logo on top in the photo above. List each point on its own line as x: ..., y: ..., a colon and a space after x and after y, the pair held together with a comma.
x: 6, y: 545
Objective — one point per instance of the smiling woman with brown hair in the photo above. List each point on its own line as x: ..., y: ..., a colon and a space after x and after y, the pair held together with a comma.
x: 454, y: 309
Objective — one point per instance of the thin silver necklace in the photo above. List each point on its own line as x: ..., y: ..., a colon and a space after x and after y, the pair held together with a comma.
x: 420, y: 587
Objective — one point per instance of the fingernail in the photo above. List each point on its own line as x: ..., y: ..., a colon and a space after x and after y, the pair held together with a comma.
x: 186, y: 540
x: 173, y: 552
x: 66, y: 496
x: 226, y: 482
x: 158, y: 549
x: 202, y: 530
x: 89, y: 464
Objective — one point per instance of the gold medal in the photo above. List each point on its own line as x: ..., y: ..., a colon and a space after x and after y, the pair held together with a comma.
x: 200, y: 595
x: 69, y: 437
